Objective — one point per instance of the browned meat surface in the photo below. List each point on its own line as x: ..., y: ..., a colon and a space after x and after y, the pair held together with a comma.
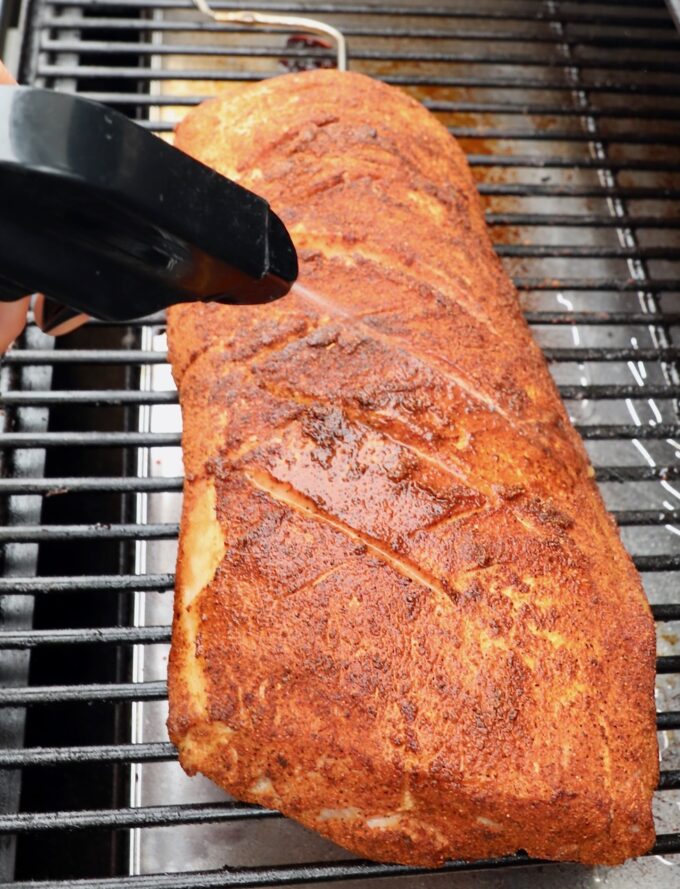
x: 403, y: 616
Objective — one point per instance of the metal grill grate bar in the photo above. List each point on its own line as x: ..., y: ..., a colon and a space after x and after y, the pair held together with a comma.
x: 70, y: 21
x: 84, y: 356
x: 599, y: 318
x: 580, y: 251
x: 291, y: 874
x: 158, y: 751
x: 121, y: 48
x: 134, y: 485
x: 102, y: 692
x: 153, y: 691
x: 478, y: 107
x: 19, y: 586
x: 140, y: 75
x: 159, y: 583
x: 132, y: 357
x: 125, y: 396
x: 148, y: 816
x: 119, y: 582
x: 580, y: 220
x: 657, y: 18
x: 169, y: 531
x: 533, y: 317
x: 22, y: 639
x: 25, y: 533
x: 544, y: 316
x: 592, y: 432
x: 117, y: 484
x: 276, y: 876
x: 83, y: 396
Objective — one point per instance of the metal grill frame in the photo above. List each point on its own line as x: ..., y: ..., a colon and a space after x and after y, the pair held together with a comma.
x: 54, y: 61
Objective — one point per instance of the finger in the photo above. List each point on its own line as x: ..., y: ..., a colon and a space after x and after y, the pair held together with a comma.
x: 12, y: 321
x: 56, y: 319
x: 5, y: 76
x: 12, y: 315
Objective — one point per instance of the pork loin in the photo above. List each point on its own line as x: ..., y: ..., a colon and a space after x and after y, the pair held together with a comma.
x: 403, y: 616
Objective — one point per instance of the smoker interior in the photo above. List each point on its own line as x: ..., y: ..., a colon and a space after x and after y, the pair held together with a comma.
x: 569, y: 113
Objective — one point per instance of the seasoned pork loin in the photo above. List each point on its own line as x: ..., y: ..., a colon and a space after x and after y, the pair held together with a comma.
x: 403, y: 616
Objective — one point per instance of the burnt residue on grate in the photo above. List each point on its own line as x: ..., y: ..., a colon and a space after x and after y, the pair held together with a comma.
x: 570, y: 115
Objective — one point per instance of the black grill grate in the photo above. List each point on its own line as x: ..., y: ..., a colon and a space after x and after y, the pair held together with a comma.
x: 570, y: 115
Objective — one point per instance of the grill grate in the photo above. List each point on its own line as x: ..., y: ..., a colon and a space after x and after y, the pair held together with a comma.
x: 569, y: 113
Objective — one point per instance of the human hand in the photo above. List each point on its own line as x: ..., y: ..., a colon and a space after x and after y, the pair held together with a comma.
x: 5, y: 76
x: 12, y: 315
